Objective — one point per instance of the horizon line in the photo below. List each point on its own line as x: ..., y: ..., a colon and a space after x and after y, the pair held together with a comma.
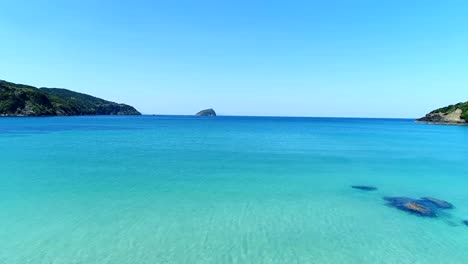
x: 337, y: 117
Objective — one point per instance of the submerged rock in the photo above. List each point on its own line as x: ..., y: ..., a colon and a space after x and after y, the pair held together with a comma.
x: 410, y: 205
x: 419, y: 208
x: 364, y: 187
x: 465, y: 222
x: 438, y: 203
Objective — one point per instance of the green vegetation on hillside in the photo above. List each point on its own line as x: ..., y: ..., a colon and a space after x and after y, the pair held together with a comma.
x: 24, y: 100
x: 16, y: 99
x: 452, y: 108
x: 85, y: 104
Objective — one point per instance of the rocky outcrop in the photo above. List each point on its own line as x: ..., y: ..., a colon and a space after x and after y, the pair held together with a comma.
x: 206, y: 112
x: 441, y: 118
x: 450, y: 115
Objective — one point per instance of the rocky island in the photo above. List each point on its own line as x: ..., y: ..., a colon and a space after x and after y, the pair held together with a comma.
x: 25, y: 100
x: 206, y: 112
x: 450, y: 115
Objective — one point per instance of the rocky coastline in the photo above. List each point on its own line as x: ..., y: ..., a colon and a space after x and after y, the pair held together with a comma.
x: 450, y: 115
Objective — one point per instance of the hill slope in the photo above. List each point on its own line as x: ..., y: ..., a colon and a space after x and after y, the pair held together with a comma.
x: 452, y: 114
x: 24, y: 100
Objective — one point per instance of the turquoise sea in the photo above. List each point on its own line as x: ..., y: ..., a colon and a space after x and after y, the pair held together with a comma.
x: 187, y: 190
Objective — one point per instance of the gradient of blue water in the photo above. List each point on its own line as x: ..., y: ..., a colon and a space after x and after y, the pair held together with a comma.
x: 164, y: 189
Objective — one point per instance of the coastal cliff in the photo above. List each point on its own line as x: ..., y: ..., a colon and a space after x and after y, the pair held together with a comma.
x: 450, y: 115
x: 206, y: 112
x: 25, y: 100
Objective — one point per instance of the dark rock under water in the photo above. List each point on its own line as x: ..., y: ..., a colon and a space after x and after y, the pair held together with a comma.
x: 418, y: 207
x: 364, y: 187
x: 465, y: 222
x: 438, y: 203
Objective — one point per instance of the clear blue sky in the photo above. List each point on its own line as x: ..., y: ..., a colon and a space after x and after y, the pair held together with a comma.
x: 395, y: 58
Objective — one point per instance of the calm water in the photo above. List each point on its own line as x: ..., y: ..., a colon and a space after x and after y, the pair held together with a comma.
x: 114, y: 190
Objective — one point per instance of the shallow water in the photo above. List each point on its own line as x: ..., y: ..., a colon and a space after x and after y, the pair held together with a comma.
x: 163, y: 189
